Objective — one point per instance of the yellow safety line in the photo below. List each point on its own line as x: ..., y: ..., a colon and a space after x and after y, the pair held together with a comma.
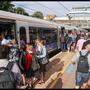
x: 60, y: 73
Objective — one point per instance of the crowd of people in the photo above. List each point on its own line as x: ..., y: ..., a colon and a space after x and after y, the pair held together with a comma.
x: 79, y: 43
x: 72, y: 40
x: 21, y: 60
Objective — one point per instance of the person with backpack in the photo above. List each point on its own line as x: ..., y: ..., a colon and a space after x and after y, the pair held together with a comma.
x: 82, y: 59
x: 10, y: 75
x: 13, y: 53
x: 80, y: 42
x: 21, y: 62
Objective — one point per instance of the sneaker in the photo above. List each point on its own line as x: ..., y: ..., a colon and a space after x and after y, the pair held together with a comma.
x: 40, y: 82
x: 34, y: 80
x: 77, y: 87
x: 23, y: 87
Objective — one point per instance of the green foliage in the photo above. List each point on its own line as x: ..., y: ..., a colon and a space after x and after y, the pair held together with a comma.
x: 19, y: 10
x: 38, y: 14
x: 7, y: 6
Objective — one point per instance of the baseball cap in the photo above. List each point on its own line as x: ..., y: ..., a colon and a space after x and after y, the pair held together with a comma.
x: 86, y: 43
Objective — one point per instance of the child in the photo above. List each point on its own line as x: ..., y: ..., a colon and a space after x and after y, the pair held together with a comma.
x: 28, y: 63
x: 72, y: 47
x: 82, y: 60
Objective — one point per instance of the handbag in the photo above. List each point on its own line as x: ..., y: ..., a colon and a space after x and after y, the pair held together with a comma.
x: 43, y: 60
x: 35, y: 66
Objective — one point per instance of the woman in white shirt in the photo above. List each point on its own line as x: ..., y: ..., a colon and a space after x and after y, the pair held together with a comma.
x: 41, y: 54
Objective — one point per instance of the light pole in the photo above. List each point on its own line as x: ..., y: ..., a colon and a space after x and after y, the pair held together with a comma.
x: 69, y: 17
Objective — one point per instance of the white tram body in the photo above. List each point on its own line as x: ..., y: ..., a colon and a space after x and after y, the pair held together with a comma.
x: 28, y: 23
x: 29, y: 29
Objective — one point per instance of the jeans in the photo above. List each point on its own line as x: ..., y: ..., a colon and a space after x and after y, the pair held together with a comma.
x: 81, y: 78
x: 63, y: 46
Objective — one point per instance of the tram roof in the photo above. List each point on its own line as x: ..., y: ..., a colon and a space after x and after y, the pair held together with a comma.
x: 67, y: 27
x: 70, y: 27
x: 31, y: 20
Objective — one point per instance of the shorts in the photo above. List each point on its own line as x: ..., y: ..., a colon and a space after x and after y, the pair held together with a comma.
x: 42, y: 68
x: 81, y: 78
x: 68, y: 45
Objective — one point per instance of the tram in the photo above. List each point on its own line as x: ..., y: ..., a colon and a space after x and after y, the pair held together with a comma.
x: 29, y: 29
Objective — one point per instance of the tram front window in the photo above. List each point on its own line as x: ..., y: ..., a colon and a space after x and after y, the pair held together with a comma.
x: 7, y: 33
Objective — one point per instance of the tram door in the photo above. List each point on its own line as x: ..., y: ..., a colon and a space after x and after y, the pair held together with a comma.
x: 7, y: 30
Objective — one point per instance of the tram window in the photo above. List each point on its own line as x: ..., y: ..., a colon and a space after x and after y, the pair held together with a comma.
x: 8, y: 31
x: 47, y: 35
x: 41, y: 33
x: 33, y: 34
x: 23, y: 33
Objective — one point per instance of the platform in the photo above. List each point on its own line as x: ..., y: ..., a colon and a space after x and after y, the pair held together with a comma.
x: 58, y: 63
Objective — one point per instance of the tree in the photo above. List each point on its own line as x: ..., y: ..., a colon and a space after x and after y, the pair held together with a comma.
x: 25, y: 13
x: 6, y: 5
x: 20, y: 10
x: 38, y: 14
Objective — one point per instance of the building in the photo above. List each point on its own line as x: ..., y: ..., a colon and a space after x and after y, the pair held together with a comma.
x: 79, y: 16
x: 49, y: 17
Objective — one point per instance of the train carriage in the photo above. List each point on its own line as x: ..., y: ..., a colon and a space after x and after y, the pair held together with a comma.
x: 28, y: 28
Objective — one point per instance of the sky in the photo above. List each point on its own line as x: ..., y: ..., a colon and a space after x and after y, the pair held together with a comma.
x: 58, y: 8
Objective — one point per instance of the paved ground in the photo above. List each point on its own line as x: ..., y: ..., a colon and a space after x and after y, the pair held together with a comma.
x: 69, y: 77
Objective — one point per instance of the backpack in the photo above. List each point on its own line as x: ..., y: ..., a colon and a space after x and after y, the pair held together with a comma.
x: 22, y: 60
x: 7, y: 77
x: 13, y: 54
x: 69, y: 40
x: 83, y: 65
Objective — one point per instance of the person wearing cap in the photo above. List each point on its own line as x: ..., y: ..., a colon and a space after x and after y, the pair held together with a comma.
x: 88, y: 36
x: 82, y: 78
x: 80, y: 43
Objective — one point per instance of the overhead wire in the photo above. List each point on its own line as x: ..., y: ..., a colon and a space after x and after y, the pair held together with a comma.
x: 47, y: 8
x: 63, y: 6
x: 40, y: 5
